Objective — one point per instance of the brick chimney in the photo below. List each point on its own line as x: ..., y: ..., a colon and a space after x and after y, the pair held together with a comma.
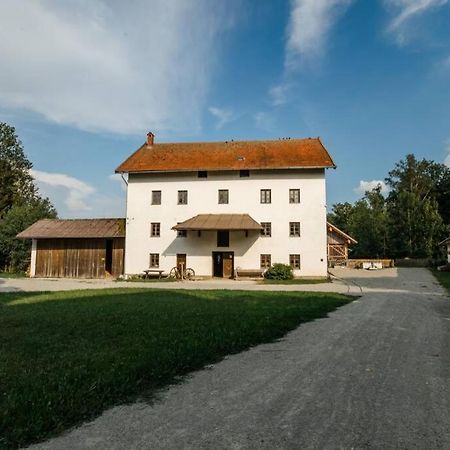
x: 150, y: 138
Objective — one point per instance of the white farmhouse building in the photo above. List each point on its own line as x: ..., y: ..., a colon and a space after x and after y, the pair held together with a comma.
x: 220, y: 206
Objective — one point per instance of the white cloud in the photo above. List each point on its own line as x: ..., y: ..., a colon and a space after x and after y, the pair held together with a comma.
x: 76, y: 198
x: 77, y: 191
x: 405, y: 11
x: 110, y: 66
x: 365, y: 186
x: 309, y: 24
x: 278, y: 94
x: 222, y: 115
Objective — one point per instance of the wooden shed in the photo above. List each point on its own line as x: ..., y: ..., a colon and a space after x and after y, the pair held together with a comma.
x: 337, y: 245
x: 446, y: 243
x: 76, y: 248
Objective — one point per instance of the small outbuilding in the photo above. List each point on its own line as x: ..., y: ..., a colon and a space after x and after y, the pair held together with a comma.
x: 76, y: 248
x: 446, y: 243
x: 337, y: 245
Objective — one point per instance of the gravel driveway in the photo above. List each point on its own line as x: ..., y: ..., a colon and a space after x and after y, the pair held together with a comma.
x: 375, y: 374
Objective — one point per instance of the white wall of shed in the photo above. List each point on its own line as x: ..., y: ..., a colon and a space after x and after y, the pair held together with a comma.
x: 33, y: 257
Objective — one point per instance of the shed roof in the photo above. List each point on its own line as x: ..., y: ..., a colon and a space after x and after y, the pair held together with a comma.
x: 339, y: 232
x: 229, y: 155
x: 445, y: 241
x: 210, y: 222
x: 75, y: 228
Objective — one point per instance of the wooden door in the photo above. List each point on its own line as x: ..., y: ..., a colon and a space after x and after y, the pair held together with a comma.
x: 217, y: 264
x: 228, y: 264
x: 181, y: 262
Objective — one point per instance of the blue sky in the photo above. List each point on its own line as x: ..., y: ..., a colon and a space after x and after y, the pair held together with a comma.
x: 83, y: 81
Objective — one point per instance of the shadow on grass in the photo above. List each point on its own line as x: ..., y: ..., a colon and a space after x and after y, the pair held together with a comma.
x: 67, y: 356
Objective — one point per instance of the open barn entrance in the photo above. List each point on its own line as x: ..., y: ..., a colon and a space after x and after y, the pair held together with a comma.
x: 109, y: 256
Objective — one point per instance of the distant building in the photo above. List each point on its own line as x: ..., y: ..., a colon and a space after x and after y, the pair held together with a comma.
x: 337, y: 243
x: 446, y: 243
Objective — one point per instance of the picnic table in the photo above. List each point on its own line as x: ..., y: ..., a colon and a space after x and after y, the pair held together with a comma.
x: 148, y: 272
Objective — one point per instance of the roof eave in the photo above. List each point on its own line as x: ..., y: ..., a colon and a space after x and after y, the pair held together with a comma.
x: 221, y: 169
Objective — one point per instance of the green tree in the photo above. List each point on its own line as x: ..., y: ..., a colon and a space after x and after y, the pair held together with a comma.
x: 17, y: 165
x: 340, y: 216
x: 16, y: 252
x: 6, y: 187
x: 366, y: 221
x: 368, y: 225
x: 415, y: 223
x: 20, y: 202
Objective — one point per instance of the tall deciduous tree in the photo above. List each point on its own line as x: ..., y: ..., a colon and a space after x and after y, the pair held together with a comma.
x: 18, y: 166
x: 20, y: 202
x: 366, y: 221
x: 414, y: 219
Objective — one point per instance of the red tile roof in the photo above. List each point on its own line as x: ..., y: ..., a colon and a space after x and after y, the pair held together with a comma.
x: 229, y: 155
x: 75, y: 228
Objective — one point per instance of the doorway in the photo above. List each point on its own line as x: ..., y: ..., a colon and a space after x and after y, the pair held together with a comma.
x: 223, y: 264
x: 108, y: 256
x: 181, y: 262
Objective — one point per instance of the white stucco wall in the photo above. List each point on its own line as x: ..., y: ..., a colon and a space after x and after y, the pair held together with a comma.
x: 33, y: 258
x: 448, y: 252
x: 244, y: 197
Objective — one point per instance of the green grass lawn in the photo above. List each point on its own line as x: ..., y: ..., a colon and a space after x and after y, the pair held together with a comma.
x: 67, y: 356
x: 13, y: 274
x: 443, y: 278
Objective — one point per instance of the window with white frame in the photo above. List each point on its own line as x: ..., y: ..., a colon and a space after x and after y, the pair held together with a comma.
x: 266, y: 230
x: 266, y: 196
x: 155, y: 229
x: 294, y: 229
x: 182, y: 197
x: 223, y: 196
x: 265, y: 261
x: 294, y: 195
x: 154, y: 260
x: 294, y: 261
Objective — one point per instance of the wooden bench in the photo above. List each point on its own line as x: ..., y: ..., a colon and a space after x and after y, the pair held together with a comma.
x: 248, y: 273
x: 149, y: 272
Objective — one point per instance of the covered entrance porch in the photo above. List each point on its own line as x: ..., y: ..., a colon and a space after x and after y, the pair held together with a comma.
x: 221, y: 237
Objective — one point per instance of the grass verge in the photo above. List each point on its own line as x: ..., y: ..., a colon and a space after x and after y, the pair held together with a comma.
x: 443, y: 278
x: 67, y: 356
x: 13, y: 274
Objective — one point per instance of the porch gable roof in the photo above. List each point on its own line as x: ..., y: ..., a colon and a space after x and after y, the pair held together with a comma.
x: 216, y: 222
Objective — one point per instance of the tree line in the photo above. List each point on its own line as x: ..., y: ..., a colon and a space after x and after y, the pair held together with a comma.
x: 409, y: 221
x: 20, y: 201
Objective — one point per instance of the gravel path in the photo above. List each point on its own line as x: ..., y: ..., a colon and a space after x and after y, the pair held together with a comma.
x: 374, y: 374
x: 67, y: 284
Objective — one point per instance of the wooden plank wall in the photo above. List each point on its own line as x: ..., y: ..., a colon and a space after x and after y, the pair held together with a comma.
x: 77, y: 258
x: 118, y: 257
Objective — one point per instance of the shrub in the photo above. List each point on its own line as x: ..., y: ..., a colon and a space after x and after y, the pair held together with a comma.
x: 279, y: 272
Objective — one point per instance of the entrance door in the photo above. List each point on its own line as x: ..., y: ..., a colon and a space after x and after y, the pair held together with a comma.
x: 228, y: 263
x: 181, y: 262
x: 223, y: 264
x: 217, y: 264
